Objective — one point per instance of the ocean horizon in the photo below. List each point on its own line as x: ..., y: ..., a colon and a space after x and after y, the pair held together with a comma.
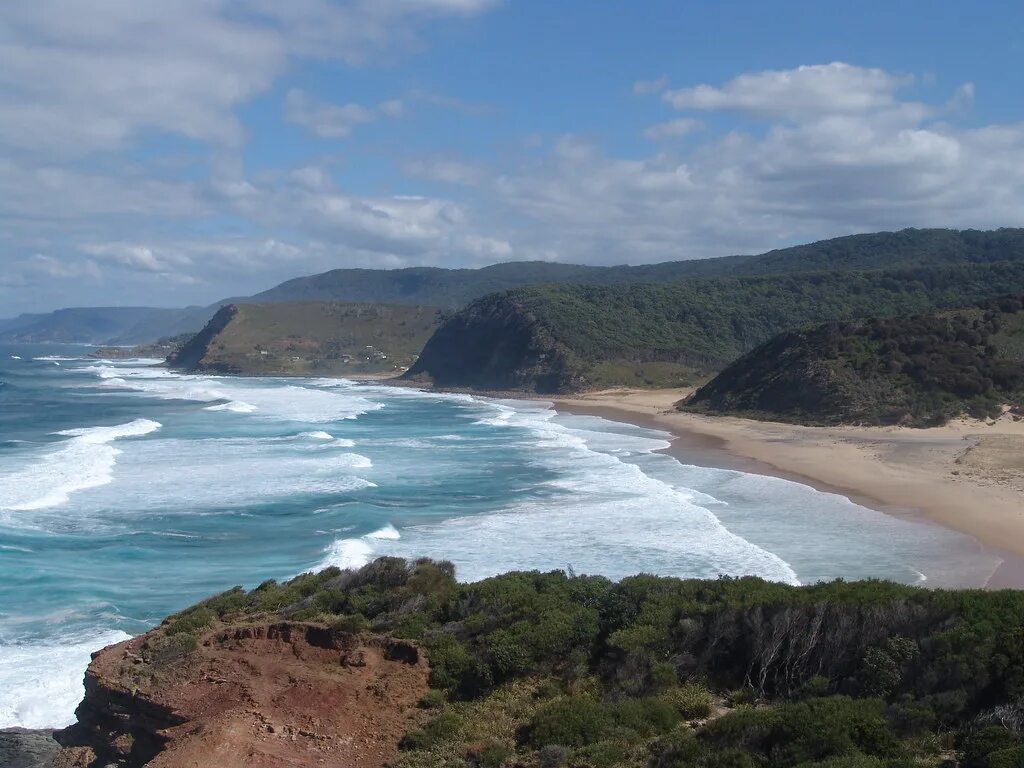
x: 128, y: 492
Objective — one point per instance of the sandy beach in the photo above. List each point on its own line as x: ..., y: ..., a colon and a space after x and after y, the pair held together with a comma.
x: 967, y: 475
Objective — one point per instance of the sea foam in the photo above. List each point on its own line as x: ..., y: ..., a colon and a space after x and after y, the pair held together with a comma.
x: 84, y: 461
x: 272, y: 400
x: 42, y: 682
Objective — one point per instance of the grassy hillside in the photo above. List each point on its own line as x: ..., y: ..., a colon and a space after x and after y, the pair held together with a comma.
x: 456, y: 287
x: 571, y: 337
x: 538, y: 670
x: 919, y: 371
x: 317, y: 338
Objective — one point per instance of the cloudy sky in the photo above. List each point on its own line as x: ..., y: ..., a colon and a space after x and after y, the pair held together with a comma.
x: 180, y: 151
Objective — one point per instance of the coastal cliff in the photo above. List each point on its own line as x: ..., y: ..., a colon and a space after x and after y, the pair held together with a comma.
x: 258, y: 695
x: 497, y: 343
x: 308, y: 338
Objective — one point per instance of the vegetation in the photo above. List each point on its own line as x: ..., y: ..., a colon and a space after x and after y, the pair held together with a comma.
x: 454, y: 288
x: 572, y: 337
x: 548, y: 669
x: 309, y: 338
x: 919, y: 371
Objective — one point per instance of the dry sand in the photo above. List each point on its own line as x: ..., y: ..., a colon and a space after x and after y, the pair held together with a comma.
x: 968, y: 475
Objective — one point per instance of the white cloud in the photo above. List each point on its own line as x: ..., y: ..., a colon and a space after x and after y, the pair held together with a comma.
x: 854, y: 160
x: 796, y: 93
x: 334, y: 121
x: 329, y: 121
x: 78, y: 76
x: 673, y: 129
x: 646, y: 87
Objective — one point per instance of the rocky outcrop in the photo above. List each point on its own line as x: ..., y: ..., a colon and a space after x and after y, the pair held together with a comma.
x: 27, y: 749
x: 255, y: 695
x: 497, y: 344
x: 190, y: 355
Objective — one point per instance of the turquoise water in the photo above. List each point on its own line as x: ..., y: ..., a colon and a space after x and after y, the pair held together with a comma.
x: 128, y: 492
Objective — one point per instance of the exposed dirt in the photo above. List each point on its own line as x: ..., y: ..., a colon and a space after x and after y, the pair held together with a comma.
x: 261, y: 696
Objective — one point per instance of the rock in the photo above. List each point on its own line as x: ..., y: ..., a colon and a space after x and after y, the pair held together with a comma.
x: 27, y: 749
x: 223, y: 695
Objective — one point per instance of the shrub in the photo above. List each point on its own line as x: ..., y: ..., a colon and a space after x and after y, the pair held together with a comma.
x: 979, y: 745
x: 692, y: 701
x: 432, y: 699
x: 191, y: 622
x: 646, y: 716
x: 573, y: 721
x: 350, y: 624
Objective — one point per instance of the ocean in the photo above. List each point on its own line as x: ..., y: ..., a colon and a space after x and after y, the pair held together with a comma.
x: 128, y: 492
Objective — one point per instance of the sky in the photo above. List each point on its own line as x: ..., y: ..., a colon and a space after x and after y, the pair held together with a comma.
x: 173, y: 152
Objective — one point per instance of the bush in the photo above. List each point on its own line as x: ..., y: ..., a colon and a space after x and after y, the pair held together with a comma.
x: 432, y: 699
x: 645, y: 716
x: 980, y: 745
x: 191, y: 622
x: 573, y: 721
x: 692, y: 701
x: 441, y: 728
x: 489, y: 755
x: 350, y: 624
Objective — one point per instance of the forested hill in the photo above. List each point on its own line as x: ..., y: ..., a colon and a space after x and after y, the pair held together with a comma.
x: 456, y: 287
x: 554, y: 670
x: 918, y: 371
x: 569, y: 337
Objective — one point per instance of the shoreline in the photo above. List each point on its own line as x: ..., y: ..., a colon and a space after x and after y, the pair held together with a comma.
x: 917, y: 474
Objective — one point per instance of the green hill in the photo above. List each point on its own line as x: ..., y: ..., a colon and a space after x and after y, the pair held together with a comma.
x: 917, y: 371
x: 318, y: 338
x: 569, y: 337
x: 550, y: 669
x: 455, y: 287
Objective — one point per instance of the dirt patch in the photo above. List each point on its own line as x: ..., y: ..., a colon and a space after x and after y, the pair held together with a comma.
x: 258, y: 696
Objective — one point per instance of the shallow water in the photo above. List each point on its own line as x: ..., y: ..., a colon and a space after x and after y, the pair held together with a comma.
x: 128, y: 492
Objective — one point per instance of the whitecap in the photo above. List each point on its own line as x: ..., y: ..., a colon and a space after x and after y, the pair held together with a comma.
x: 356, y: 552
x: 318, y: 435
x: 15, y: 357
x: 43, y: 682
x: 291, y: 402
x: 234, y: 406
x: 85, y: 461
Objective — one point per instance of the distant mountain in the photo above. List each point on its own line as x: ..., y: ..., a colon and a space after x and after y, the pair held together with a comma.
x: 567, y: 338
x: 454, y: 288
x: 102, y: 325
x: 20, y: 321
x: 916, y: 371
x: 318, y: 338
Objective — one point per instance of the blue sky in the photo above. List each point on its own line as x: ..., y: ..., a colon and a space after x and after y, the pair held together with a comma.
x: 182, y: 151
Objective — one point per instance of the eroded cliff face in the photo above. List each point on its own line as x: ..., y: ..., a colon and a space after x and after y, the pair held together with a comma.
x: 254, y: 696
x: 496, y: 344
x: 191, y: 354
